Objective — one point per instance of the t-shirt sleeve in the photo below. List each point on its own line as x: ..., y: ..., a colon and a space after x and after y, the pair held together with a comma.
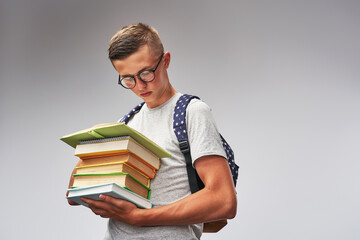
x: 203, y: 134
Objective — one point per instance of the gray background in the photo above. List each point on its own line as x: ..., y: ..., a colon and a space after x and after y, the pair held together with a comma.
x: 282, y: 78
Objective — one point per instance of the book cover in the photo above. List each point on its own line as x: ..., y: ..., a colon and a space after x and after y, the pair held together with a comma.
x: 113, y: 130
x: 116, y: 145
x: 110, y: 189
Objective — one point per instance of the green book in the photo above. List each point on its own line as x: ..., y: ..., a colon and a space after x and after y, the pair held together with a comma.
x: 110, y: 130
x: 122, y: 179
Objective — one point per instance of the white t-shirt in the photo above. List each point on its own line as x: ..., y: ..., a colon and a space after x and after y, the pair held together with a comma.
x: 171, y: 181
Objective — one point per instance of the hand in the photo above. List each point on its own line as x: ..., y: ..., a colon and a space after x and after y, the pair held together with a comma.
x: 117, y: 209
x: 72, y: 203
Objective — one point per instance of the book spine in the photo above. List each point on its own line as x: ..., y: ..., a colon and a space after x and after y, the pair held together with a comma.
x: 142, y: 172
x: 105, y: 139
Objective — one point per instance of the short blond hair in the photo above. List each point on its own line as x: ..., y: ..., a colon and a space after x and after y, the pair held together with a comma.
x: 130, y: 38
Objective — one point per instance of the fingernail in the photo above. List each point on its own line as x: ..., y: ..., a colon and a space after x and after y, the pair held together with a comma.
x: 102, y: 197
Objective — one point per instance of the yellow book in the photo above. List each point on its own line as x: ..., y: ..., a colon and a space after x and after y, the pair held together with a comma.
x: 129, y: 158
x: 113, y: 168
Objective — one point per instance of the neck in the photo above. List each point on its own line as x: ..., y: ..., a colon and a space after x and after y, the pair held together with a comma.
x: 164, y: 97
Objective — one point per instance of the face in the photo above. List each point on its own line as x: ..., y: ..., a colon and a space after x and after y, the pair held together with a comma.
x: 153, y: 93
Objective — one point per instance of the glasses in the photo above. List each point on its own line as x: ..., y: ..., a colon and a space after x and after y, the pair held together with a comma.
x: 146, y: 76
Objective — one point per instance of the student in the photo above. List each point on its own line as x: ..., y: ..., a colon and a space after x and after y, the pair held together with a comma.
x: 137, y: 54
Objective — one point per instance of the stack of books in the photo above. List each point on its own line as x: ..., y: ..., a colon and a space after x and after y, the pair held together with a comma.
x: 115, y: 160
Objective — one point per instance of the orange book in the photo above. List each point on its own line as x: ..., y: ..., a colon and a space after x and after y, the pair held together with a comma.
x: 128, y: 158
x: 117, y: 145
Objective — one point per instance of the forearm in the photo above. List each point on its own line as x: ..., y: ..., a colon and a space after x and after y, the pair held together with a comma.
x: 203, y: 206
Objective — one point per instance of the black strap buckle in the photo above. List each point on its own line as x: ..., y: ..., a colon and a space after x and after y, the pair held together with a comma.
x: 184, y: 146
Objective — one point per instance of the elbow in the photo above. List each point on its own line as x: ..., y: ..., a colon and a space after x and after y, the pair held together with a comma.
x: 231, y: 214
x: 230, y: 209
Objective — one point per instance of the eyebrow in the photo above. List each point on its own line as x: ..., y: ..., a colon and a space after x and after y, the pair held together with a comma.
x: 130, y: 75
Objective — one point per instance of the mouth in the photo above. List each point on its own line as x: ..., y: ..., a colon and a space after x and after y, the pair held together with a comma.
x: 145, y: 94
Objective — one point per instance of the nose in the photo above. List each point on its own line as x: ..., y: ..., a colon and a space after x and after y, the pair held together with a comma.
x: 140, y: 83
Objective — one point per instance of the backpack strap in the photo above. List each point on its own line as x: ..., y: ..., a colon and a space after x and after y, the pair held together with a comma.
x: 180, y: 129
x: 179, y: 126
x: 231, y: 161
x: 125, y: 119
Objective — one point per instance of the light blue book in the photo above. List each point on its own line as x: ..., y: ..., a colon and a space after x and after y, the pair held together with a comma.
x: 109, y: 189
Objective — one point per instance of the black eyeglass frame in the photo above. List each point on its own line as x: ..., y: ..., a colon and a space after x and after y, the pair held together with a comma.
x: 138, y: 75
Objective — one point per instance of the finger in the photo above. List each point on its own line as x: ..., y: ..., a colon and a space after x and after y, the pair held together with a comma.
x: 96, y: 204
x: 96, y: 208
x: 118, y: 203
x: 100, y: 212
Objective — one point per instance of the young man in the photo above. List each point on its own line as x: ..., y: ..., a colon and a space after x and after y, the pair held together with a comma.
x: 137, y: 54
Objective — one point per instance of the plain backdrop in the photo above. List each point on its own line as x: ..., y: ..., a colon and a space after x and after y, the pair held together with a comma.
x: 282, y: 79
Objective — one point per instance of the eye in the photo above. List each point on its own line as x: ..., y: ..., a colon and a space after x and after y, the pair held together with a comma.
x: 146, y: 75
x: 128, y: 82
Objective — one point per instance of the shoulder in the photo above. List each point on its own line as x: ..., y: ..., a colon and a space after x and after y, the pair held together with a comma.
x: 198, y: 104
x: 199, y: 112
x: 198, y: 107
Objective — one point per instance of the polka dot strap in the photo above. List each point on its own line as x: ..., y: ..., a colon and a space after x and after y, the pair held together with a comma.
x: 179, y: 120
x: 125, y: 119
x: 179, y: 125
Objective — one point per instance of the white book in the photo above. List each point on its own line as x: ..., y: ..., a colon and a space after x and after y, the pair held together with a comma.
x: 110, y: 189
x: 116, y: 145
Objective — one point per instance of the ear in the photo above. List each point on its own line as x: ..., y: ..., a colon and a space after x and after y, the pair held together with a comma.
x: 166, y: 58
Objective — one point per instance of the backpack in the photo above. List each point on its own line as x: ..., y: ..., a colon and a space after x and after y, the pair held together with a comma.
x: 180, y: 130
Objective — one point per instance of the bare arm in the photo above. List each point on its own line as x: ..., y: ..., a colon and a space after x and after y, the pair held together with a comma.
x: 216, y: 201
